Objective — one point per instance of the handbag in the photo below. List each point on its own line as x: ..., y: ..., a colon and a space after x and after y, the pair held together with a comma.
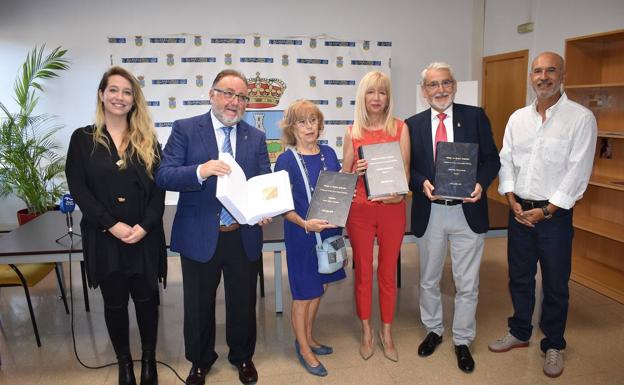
x: 331, y: 252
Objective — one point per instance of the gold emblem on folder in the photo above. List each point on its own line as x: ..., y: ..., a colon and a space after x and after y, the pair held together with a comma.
x: 269, y: 193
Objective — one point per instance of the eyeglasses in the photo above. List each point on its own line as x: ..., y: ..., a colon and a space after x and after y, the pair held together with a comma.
x: 229, y: 95
x: 310, y: 121
x: 446, y: 84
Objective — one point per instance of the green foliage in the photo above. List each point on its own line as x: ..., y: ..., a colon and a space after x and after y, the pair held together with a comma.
x: 30, y: 166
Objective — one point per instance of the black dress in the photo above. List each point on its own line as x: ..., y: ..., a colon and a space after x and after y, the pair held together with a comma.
x: 107, y: 194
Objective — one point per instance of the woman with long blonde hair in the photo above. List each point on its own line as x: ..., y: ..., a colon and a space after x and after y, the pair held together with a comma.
x: 383, y: 218
x: 110, y: 172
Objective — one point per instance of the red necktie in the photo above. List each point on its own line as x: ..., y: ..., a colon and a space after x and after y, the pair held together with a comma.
x: 440, y: 133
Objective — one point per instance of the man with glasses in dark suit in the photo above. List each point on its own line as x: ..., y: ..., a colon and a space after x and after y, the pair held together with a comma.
x: 436, y: 222
x: 209, y: 240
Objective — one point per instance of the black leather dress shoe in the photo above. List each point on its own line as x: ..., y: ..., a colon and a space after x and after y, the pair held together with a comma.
x: 464, y: 358
x: 197, y: 376
x: 429, y: 344
x: 247, y: 373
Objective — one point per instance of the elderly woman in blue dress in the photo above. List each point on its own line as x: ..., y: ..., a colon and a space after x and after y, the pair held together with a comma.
x: 302, y: 125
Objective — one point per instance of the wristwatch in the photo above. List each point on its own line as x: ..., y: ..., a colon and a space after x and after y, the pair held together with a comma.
x: 547, y: 214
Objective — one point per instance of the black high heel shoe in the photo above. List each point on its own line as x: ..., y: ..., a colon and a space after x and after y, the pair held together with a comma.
x: 149, y: 375
x: 126, y: 371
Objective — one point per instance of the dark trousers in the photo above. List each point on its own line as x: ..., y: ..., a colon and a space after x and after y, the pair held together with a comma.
x: 550, y: 244
x: 116, y: 290
x: 200, y: 283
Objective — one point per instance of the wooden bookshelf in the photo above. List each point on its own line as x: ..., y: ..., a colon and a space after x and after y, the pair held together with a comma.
x: 600, y: 227
x: 611, y: 134
x: 594, y: 265
x: 597, y: 86
x: 607, y: 182
x: 595, y: 78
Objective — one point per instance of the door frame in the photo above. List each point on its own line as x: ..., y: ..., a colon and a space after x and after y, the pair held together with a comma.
x: 498, y: 210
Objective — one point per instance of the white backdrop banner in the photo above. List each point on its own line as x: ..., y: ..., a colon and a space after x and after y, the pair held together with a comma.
x: 176, y: 73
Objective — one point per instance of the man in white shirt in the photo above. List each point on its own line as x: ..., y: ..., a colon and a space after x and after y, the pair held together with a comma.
x: 546, y: 161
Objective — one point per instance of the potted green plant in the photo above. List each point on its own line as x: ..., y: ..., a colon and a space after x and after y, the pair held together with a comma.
x: 30, y: 166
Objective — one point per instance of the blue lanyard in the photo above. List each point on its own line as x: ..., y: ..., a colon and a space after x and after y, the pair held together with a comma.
x: 305, y: 169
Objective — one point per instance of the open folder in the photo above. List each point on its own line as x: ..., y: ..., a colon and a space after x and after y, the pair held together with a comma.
x: 251, y: 200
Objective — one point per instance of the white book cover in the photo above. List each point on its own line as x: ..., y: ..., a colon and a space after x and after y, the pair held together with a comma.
x: 249, y: 201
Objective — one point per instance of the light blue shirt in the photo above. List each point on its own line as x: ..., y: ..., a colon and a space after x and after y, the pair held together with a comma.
x: 220, y: 137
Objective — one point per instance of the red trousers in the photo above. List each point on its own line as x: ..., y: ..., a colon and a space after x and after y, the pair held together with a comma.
x: 387, y: 222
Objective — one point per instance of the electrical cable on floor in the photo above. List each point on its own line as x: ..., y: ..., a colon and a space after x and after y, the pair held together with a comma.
x: 71, y: 298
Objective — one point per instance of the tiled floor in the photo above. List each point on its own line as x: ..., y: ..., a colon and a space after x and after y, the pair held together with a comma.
x: 595, y: 336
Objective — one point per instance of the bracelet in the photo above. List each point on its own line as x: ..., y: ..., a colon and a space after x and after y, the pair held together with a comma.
x: 305, y: 226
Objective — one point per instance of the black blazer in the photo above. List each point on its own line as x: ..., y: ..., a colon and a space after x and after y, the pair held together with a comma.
x: 470, y: 125
x: 107, y: 195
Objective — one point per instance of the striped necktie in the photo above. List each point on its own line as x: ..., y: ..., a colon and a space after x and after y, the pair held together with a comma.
x: 226, y: 218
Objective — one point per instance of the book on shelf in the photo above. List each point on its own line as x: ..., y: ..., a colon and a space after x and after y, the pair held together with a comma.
x: 249, y: 201
x: 455, y: 169
x: 332, y: 197
x: 385, y: 174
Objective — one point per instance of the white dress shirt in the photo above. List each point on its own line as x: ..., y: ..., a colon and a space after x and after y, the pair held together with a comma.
x: 220, y: 137
x: 550, y: 160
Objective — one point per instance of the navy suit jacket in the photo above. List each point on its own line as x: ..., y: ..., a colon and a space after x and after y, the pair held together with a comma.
x: 196, y: 225
x: 470, y: 125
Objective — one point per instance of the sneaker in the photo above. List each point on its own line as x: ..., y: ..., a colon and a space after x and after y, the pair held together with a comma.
x: 507, y: 343
x: 553, y: 364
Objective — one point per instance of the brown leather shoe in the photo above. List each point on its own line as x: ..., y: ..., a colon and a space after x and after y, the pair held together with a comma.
x: 197, y: 376
x: 247, y: 373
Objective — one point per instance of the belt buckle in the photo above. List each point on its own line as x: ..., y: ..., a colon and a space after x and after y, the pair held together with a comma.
x: 528, y: 204
x: 447, y: 202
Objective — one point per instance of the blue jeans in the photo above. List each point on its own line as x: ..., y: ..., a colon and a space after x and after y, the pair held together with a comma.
x: 550, y: 244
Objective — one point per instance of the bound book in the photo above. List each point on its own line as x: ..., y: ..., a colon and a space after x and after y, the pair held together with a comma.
x: 249, y: 201
x: 385, y: 174
x: 455, y: 169
x: 332, y: 197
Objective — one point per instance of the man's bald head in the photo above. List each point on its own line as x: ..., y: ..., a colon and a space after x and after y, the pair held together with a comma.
x: 553, y: 56
x: 547, y: 76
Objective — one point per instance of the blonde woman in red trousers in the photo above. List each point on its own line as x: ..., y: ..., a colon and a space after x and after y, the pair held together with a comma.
x: 383, y: 218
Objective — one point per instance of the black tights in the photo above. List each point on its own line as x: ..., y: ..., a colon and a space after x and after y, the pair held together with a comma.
x: 116, y: 290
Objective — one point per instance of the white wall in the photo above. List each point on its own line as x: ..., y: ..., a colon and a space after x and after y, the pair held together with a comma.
x: 421, y: 32
x: 555, y: 21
